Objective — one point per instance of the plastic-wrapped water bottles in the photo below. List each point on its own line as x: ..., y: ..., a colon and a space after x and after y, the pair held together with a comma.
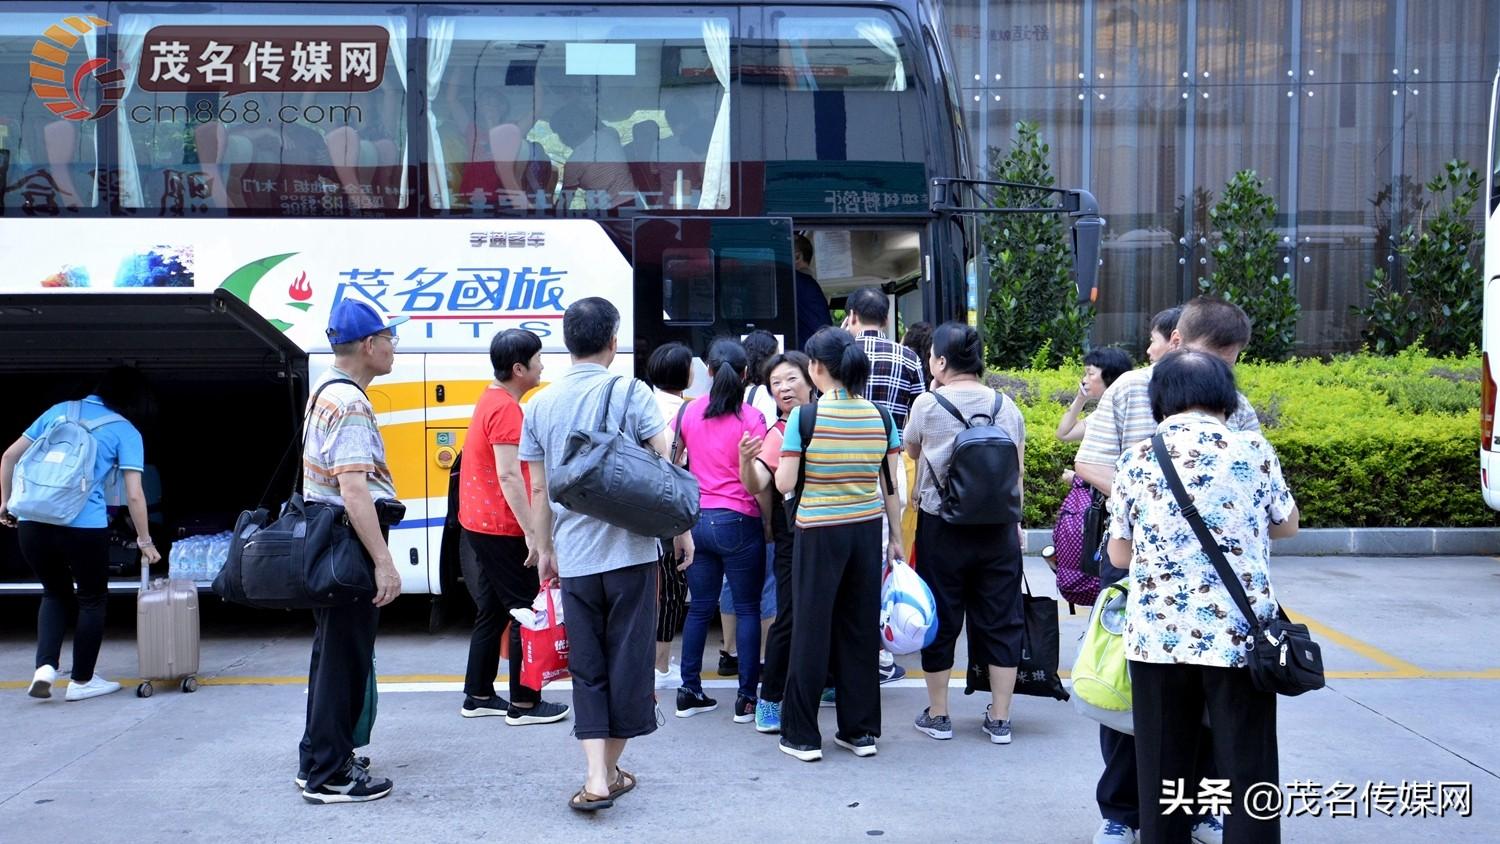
x: 181, y: 563
x: 217, y: 555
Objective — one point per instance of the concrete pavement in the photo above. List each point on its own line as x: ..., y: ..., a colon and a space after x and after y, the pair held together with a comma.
x: 1411, y: 697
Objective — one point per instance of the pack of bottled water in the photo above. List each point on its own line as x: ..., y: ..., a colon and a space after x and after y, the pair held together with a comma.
x: 199, y: 558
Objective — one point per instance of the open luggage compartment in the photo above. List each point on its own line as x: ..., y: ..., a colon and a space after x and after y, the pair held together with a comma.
x: 229, y: 391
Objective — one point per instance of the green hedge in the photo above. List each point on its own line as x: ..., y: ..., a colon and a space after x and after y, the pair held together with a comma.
x: 1364, y: 441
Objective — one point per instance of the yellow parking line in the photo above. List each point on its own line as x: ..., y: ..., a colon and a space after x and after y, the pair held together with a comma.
x: 1364, y: 649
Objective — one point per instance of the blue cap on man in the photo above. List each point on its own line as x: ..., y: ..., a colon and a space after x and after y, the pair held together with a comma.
x: 353, y: 320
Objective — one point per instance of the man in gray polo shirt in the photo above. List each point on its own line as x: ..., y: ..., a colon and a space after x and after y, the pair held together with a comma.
x: 608, y: 574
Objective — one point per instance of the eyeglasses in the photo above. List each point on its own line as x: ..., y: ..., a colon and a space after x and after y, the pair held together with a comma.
x: 395, y: 341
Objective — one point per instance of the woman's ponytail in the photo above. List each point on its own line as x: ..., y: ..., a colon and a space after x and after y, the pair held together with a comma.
x: 727, y: 361
x: 842, y: 356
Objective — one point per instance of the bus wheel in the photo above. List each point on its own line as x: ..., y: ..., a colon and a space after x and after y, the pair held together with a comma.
x: 437, y: 616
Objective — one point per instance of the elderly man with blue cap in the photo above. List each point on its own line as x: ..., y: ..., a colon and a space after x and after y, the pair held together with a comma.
x: 343, y: 464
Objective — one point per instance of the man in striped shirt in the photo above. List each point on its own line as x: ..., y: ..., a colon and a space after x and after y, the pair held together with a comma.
x: 343, y: 464
x: 1122, y: 419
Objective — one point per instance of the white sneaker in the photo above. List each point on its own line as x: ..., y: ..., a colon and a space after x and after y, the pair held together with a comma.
x: 1114, y: 832
x: 41, y: 682
x: 669, y: 679
x: 1208, y: 831
x: 96, y: 687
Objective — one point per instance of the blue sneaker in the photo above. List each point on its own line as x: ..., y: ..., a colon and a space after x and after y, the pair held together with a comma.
x: 768, y: 716
x: 829, y: 698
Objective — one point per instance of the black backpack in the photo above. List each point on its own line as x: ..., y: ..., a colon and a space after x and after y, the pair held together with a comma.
x: 984, y: 472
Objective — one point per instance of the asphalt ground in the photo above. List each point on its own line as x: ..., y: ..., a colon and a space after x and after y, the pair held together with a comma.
x: 1411, y: 706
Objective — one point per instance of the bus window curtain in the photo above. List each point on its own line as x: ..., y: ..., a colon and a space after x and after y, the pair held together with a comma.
x: 716, y: 167
x: 879, y: 36
x: 440, y: 33
x: 133, y: 29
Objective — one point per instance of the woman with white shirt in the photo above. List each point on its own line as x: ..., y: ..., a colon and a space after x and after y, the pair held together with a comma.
x: 1184, y: 636
x: 670, y: 371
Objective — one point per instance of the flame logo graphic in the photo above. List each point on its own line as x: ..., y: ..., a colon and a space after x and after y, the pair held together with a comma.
x: 49, y: 64
x: 300, y: 291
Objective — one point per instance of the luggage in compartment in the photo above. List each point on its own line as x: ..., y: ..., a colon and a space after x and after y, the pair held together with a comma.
x: 166, y: 633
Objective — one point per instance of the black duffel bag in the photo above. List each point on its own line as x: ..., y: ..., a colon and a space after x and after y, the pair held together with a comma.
x: 308, y: 557
x: 609, y: 476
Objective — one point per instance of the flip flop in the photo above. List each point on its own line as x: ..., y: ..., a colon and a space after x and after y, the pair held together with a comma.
x: 583, y: 801
x: 624, y: 781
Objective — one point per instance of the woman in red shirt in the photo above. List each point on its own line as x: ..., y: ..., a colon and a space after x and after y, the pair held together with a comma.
x: 494, y: 510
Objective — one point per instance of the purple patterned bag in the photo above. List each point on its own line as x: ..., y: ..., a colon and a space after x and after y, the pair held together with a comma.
x: 1076, y: 586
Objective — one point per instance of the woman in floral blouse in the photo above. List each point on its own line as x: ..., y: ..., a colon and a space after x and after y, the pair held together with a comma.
x: 1185, y: 638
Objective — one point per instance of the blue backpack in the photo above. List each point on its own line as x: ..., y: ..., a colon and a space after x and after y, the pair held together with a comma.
x: 55, y: 475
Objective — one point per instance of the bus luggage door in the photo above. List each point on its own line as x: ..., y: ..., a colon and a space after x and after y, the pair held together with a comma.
x: 697, y: 279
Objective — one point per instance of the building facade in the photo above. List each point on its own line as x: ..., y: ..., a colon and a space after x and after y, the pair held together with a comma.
x: 1345, y: 108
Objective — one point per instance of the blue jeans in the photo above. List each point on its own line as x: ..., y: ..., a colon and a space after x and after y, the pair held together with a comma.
x: 726, y: 544
x: 767, y: 593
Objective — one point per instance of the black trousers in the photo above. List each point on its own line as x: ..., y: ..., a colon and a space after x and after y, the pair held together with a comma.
x: 611, y: 619
x: 343, y: 655
x: 836, y: 619
x: 498, y: 579
x: 1169, y: 701
x: 779, y: 636
x: 59, y: 556
x: 974, y: 572
x: 1118, y: 792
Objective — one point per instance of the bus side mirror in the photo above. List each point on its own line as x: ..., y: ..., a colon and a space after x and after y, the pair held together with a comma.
x: 1087, y: 232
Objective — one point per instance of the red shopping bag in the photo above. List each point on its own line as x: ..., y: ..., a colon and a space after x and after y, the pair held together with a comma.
x: 544, y: 652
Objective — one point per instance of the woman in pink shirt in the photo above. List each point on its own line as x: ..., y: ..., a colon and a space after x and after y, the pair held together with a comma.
x: 729, y: 538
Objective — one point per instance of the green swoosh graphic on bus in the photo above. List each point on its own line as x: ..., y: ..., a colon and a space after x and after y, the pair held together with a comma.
x: 243, y: 280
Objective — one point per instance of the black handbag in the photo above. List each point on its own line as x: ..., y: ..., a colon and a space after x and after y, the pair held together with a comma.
x: 308, y: 557
x: 609, y: 476
x: 1094, y: 519
x: 1282, y: 656
x: 1037, y: 674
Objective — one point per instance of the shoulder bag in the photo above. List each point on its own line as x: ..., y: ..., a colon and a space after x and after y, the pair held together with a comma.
x: 1282, y: 656
x: 607, y: 475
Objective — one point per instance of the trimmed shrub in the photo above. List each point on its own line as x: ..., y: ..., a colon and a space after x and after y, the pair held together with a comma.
x: 1245, y: 264
x: 1364, y: 441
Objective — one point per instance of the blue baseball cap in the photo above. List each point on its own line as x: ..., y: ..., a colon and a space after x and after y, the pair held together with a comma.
x: 353, y: 320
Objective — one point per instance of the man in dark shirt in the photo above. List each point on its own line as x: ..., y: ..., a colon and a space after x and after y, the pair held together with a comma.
x: 812, y: 307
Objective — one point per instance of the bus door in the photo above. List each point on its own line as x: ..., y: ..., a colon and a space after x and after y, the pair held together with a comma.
x: 697, y: 279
